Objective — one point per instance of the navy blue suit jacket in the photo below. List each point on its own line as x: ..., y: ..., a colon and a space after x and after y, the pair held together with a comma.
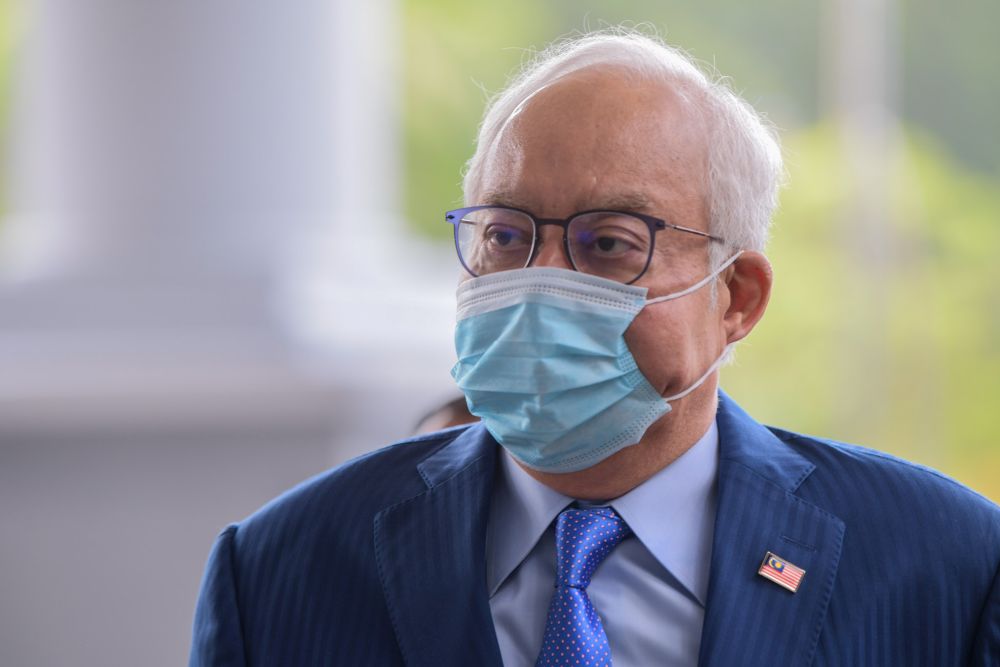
x: 382, y: 561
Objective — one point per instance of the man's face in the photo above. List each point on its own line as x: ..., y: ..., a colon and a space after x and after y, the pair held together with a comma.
x: 597, y: 140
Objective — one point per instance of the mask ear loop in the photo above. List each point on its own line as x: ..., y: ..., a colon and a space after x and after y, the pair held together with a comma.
x: 725, y: 352
x: 698, y: 285
x: 697, y: 383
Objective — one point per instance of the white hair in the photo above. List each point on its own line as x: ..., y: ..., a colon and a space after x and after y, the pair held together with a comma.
x: 744, y: 158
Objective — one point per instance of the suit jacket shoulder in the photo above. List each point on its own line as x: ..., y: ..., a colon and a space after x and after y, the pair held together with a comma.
x: 331, y: 506
x: 901, y: 563
x: 918, y: 543
x: 296, y: 583
x: 850, y: 478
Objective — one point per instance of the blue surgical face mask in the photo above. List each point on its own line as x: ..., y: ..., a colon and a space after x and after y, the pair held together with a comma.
x: 542, y: 360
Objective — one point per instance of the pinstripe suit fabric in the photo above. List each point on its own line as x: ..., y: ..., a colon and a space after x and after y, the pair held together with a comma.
x: 382, y: 561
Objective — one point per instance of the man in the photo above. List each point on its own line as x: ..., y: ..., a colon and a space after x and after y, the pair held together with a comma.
x: 612, y: 505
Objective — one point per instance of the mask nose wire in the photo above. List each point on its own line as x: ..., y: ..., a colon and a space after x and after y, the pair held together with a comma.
x: 698, y: 285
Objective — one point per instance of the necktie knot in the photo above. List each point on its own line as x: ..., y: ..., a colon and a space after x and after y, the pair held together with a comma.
x: 584, y: 538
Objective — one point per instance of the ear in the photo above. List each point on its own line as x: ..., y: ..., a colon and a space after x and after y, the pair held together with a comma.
x: 748, y: 282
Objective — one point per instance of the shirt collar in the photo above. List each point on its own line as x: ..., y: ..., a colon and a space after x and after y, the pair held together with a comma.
x: 672, y: 514
x: 520, y: 513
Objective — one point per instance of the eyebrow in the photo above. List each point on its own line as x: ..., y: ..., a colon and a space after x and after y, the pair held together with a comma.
x: 499, y: 198
x: 626, y: 201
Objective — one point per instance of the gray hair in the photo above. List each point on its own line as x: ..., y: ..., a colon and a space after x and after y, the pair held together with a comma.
x: 744, y: 158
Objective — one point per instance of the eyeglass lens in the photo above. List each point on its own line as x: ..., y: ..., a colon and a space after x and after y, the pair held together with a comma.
x: 606, y: 244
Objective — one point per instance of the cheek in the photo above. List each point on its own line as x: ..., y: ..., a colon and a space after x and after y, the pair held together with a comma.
x: 655, y: 343
x: 671, y: 342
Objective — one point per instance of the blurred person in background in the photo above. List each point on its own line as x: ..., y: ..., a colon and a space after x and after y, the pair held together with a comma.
x: 452, y: 413
x: 613, y: 506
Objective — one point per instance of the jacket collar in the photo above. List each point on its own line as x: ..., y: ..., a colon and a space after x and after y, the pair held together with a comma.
x: 434, y: 543
x: 748, y: 619
x: 744, y: 442
x: 471, y: 444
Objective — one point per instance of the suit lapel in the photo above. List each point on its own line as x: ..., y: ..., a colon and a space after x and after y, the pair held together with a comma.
x: 431, y: 553
x: 748, y: 619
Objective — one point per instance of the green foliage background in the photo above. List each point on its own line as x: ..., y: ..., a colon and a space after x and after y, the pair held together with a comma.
x: 908, y: 362
x: 905, y: 359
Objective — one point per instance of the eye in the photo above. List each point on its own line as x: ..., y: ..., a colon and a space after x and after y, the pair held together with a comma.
x: 499, y: 236
x: 504, y: 237
x: 610, y: 245
x: 608, y: 241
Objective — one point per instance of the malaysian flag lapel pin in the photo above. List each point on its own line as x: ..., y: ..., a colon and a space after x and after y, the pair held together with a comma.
x: 781, y: 572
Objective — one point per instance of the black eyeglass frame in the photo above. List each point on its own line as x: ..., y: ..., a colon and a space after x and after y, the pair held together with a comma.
x: 455, y: 217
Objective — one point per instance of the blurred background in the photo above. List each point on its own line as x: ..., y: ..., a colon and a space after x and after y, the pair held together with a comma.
x: 223, y: 266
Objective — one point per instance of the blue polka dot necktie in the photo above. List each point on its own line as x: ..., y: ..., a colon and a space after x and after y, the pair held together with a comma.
x: 573, y: 631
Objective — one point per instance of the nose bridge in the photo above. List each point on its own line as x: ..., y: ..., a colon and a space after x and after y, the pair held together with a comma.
x: 549, y: 247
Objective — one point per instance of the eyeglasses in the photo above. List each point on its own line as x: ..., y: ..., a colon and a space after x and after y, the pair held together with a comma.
x: 611, y: 244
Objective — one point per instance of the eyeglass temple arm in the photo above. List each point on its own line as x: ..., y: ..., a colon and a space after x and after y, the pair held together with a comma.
x: 694, y: 231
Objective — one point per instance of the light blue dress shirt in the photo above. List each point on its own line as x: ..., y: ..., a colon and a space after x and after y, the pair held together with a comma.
x: 650, y: 592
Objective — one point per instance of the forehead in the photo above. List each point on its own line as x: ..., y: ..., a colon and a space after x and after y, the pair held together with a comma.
x: 601, y: 138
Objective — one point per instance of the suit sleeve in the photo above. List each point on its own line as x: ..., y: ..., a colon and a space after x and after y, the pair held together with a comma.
x: 986, y: 649
x: 218, y: 634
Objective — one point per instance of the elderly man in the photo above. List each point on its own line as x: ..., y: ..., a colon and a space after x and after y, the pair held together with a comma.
x: 611, y: 505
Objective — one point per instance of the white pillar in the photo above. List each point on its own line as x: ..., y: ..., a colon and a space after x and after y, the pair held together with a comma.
x: 197, y: 189
x: 207, y: 296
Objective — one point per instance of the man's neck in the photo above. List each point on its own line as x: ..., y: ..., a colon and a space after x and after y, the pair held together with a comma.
x: 663, y: 443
